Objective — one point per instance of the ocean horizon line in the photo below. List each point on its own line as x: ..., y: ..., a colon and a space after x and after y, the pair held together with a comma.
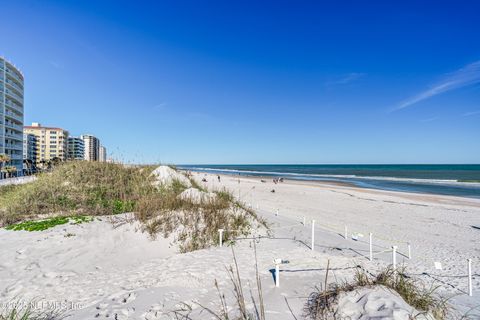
x: 452, y: 179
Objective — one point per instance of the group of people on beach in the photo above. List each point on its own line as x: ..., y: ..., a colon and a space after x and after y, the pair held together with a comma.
x: 205, y: 180
x: 275, y: 180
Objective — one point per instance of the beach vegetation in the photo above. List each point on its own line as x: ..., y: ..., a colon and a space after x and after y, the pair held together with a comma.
x: 4, y: 158
x: 196, y: 185
x: 199, y: 220
x: 24, y: 311
x: 242, y: 307
x: 44, y: 224
x: 322, y: 303
x: 73, y: 191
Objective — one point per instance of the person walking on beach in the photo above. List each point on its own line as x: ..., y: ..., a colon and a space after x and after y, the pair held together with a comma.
x: 218, y: 178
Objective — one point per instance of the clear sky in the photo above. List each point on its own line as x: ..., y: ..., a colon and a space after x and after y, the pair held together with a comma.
x: 254, y: 81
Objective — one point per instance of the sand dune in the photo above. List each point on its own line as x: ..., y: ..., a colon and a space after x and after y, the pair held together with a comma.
x: 100, y: 271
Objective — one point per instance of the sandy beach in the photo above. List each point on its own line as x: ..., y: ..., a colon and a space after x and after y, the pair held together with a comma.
x: 440, y: 229
x: 111, y: 270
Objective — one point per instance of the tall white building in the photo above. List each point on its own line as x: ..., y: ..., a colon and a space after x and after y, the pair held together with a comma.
x: 102, y: 154
x: 11, y: 113
x: 92, y: 147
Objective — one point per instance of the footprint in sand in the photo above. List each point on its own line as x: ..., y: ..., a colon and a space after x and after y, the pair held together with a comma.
x: 129, y: 298
x: 32, y: 265
x: 102, y: 306
x: 21, y: 254
x: 153, y: 315
x: 102, y: 313
x: 13, y: 290
x: 123, y: 313
x: 50, y: 275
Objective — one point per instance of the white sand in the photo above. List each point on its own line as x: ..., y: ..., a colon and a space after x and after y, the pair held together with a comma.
x: 120, y: 273
x: 165, y: 176
x: 376, y: 303
x: 197, y: 196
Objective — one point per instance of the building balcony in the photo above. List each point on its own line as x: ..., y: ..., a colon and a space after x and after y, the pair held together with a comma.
x: 13, y: 126
x: 15, y: 86
x: 15, y: 106
x: 18, y: 137
x: 13, y: 116
x: 14, y: 75
x: 13, y: 95
x: 11, y: 146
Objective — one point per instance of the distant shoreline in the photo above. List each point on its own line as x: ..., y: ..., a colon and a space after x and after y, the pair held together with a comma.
x: 379, y: 178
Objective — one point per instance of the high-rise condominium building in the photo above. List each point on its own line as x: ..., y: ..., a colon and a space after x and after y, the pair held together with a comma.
x: 11, y: 113
x: 51, y: 142
x: 102, y: 154
x: 76, y: 148
x: 92, y: 147
x: 30, y: 147
x: 29, y: 153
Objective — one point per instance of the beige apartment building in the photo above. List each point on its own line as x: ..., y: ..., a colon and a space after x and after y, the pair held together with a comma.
x: 51, y: 142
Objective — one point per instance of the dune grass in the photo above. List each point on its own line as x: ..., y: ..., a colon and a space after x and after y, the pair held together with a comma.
x: 19, y: 311
x: 194, y: 223
x: 321, y: 304
x: 76, y: 190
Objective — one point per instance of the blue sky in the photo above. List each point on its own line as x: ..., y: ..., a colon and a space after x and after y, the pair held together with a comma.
x: 254, y: 81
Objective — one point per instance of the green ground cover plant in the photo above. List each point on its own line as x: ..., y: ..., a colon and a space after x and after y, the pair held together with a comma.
x: 40, y: 225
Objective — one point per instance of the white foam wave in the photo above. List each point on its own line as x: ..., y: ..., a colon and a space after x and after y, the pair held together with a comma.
x: 312, y: 176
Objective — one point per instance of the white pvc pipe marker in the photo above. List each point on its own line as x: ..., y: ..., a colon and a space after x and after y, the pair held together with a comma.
x: 409, y: 251
x: 220, y: 237
x: 346, y: 232
x: 304, y: 220
x: 370, y: 245
x: 470, y: 285
x: 313, y: 234
x: 277, y: 275
x: 394, y: 257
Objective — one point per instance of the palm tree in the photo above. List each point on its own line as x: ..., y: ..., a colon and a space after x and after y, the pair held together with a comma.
x: 10, y: 170
x: 28, y: 165
x: 4, y: 158
x: 43, y: 163
x: 56, y: 161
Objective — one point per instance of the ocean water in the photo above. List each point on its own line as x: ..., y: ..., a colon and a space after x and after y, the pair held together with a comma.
x: 432, y: 179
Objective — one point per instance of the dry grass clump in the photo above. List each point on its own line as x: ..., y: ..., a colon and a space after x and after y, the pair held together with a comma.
x: 194, y: 223
x: 76, y: 188
x: 322, y: 303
